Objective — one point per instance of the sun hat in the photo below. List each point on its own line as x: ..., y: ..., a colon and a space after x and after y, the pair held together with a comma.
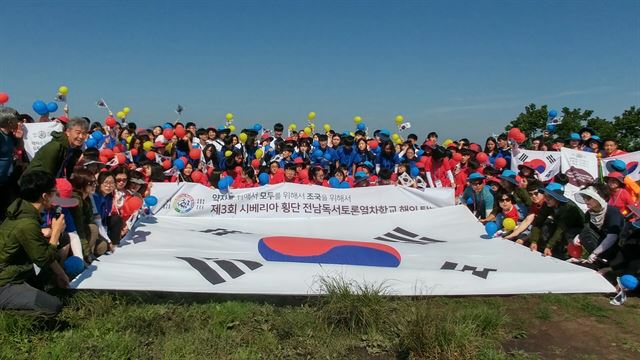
x: 64, y: 198
x: 616, y: 175
x: 556, y: 191
x: 475, y: 176
x: 510, y: 176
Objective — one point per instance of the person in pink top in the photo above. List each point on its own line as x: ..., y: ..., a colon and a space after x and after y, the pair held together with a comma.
x: 620, y: 197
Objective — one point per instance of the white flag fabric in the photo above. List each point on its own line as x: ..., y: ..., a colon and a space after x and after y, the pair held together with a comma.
x: 546, y: 163
x: 581, y: 168
x: 288, y: 200
x: 630, y: 159
x: 37, y: 135
x: 437, y: 252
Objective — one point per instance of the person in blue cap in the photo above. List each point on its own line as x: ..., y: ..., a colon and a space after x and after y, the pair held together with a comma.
x: 478, y: 196
x: 557, y: 223
x: 574, y: 141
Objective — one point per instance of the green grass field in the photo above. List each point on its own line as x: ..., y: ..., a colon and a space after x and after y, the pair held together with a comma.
x: 346, y: 324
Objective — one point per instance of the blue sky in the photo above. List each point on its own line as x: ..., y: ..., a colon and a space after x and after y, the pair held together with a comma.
x: 463, y: 69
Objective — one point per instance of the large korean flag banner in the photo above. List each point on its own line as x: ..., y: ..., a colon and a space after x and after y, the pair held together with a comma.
x: 581, y: 168
x: 631, y: 160
x: 295, y: 200
x: 36, y: 135
x: 546, y: 163
x: 441, y: 252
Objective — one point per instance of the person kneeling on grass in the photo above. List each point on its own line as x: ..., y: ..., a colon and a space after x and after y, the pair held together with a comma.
x: 22, y: 244
x: 603, y: 225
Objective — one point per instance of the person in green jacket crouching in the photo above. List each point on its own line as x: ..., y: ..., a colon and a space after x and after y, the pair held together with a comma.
x: 22, y: 244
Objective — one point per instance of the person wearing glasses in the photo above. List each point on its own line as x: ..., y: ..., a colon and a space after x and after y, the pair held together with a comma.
x: 109, y: 224
x: 537, y: 201
x: 23, y: 244
x: 478, y: 196
x: 558, y: 222
x: 84, y: 185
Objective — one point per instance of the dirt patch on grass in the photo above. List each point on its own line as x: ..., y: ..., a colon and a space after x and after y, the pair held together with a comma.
x: 582, y: 338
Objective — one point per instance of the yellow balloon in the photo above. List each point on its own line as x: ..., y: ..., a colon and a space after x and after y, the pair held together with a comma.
x: 357, y: 120
x: 126, y: 110
x: 311, y: 116
x: 352, y: 134
x: 232, y: 128
x: 259, y: 153
x: 121, y: 115
x: 312, y: 125
x: 228, y: 153
x: 395, y: 136
x: 307, y: 130
x: 242, y: 137
x: 509, y: 224
x: 129, y: 139
x: 399, y: 141
x: 327, y: 127
x: 447, y: 142
x: 63, y: 90
x: 399, y: 119
x: 293, y: 127
x: 229, y: 116
x: 148, y: 145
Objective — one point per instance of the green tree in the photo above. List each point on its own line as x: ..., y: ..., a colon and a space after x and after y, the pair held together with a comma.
x: 532, y: 121
x: 627, y: 128
x: 572, y: 121
x: 602, y: 127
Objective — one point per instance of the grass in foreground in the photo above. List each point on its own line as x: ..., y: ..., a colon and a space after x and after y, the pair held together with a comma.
x: 351, y: 322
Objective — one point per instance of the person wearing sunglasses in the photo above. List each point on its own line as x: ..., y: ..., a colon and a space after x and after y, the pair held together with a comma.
x: 520, y: 234
x: 557, y: 223
x: 478, y: 196
x: 84, y: 185
x: 23, y: 244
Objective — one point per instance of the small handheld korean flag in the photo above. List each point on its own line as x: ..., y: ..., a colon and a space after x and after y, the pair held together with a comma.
x: 179, y: 110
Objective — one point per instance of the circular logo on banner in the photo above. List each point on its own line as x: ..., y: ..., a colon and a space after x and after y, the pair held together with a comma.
x: 41, y: 135
x: 183, y: 203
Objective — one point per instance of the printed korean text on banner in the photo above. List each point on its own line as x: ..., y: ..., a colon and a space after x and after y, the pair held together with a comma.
x: 440, y: 252
x: 38, y: 134
x: 546, y: 163
x: 295, y: 200
x: 581, y: 168
x: 631, y: 160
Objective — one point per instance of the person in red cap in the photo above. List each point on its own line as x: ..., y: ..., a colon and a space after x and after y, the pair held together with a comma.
x: 620, y: 197
x: 62, y: 204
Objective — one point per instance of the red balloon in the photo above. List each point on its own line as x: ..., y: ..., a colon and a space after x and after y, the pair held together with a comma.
x: 133, y: 204
x: 110, y: 121
x: 195, y: 154
x: 457, y: 156
x: 197, y: 176
x: 255, y: 163
x: 117, y: 149
x: 520, y: 138
x: 103, y: 159
x: 482, y: 157
x: 121, y: 158
x: 180, y: 132
x: 168, y: 134
x: 4, y: 97
x: 134, y: 152
x: 500, y: 163
x: 373, y: 144
x: 184, y: 160
x: 107, y: 153
x: 513, y: 133
x: 166, y: 164
x: 151, y: 155
x: 575, y: 251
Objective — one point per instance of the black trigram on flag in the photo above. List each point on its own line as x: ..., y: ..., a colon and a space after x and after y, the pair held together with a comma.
x: 551, y: 159
x: 474, y: 270
x: 212, y: 268
x: 403, y: 236
x: 523, y: 157
x: 222, y: 232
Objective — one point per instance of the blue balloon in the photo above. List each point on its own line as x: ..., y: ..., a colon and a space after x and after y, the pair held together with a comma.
x: 551, y: 127
x: 91, y: 143
x: 327, y: 156
x: 167, y: 126
x: 151, y: 201
x: 52, y: 107
x: 222, y: 184
x: 229, y: 180
x: 415, y: 171
x: 317, y: 153
x: 97, y: 135
x: 179, y: 164
x: 334, y: 182
x: 73, y: 266
x: 553, y: 113
x: 491, y: 228
x: 361, y: 126
x: 628, y: 282
x: 263, y: 178
x: 345, y: 185
x: 257, y: 127
x: 346, y: 133
x: 315, y: 143
x: 40, y: 107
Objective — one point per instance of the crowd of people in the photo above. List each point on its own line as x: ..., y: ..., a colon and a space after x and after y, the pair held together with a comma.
x: 74, y: 198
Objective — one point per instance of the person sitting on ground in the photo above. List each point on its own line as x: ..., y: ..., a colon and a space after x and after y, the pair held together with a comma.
x: 558, y: 222
x: 537, y: 201
x: 603, y: 225
x: 509, y: 184
x: 59, y: 156
x: 22, y: 244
